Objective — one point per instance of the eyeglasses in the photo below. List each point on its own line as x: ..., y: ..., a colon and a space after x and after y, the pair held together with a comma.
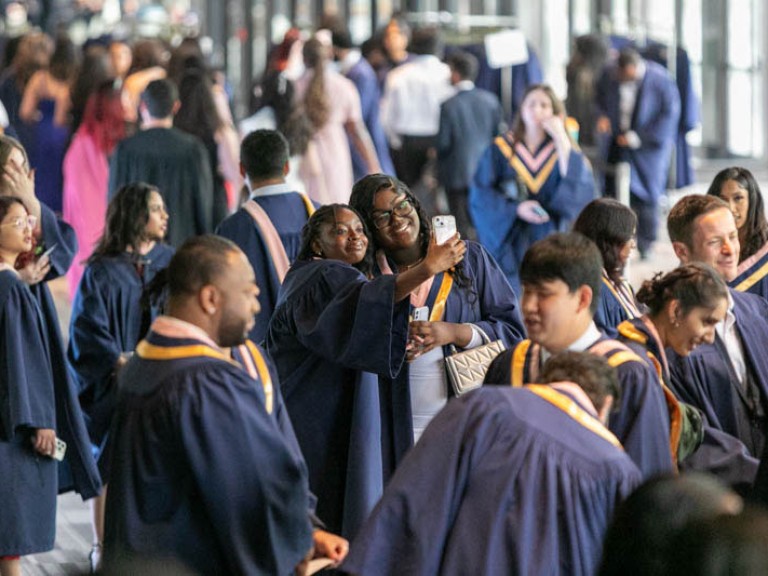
x: 21, y: 222
x: 403, y: 207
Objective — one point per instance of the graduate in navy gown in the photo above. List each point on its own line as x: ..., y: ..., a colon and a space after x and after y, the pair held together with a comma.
x: 561, y: 276
x: 203, y: 468
x: 639, y: 108
x: 27, y: 404
x: 738, y: 187
x: 333, y: 332
x: 471, y: 304
x: 107, y: 316
x: 728, y: 379
x: 506, y: 481
x: 274, y: 208
x: 78, y: 470
x: 529, y: 183
x: 611, y: 226
x: 685, y: 306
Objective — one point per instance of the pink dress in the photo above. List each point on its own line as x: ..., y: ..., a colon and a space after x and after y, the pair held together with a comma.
x: 326, y: 168
x: 86, y: 178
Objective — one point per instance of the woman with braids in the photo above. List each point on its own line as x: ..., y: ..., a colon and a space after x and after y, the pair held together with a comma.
x: 611, y: 225
x: 106, y: 313
x: 684, y: 306
x: 738, y: 187
x: 332, y: 104
x: 468, y: 305
x: 332, y: 332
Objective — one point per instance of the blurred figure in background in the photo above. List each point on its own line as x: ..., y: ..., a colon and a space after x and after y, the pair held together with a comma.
x: 86, y: 173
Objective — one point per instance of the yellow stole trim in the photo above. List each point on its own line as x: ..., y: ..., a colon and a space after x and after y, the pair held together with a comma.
x: 152, y: 352
x: 517, y: 368
x: 533, y: 184
x: 263, y: 370
x: 308, y: 204
x: 573, y: 410
x: 752, y: 279
x: 629, y: 331
x: 438, y: 309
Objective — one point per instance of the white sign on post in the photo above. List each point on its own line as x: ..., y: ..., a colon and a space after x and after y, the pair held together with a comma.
x: 506, y: 48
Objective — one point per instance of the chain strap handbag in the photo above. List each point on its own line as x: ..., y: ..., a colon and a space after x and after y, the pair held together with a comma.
x: 467, y: 369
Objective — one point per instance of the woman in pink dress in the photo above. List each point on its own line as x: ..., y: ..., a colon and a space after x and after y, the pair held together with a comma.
x: 86, y: 173
x: 332, y: 104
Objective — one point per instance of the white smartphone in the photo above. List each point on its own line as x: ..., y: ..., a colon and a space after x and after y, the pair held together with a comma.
x: 421, y: 314
x: 61, y: 449
x: 444, y: 227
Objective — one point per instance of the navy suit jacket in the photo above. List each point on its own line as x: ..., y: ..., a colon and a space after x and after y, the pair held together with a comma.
x: 469, y: 121
x: 655, y: 120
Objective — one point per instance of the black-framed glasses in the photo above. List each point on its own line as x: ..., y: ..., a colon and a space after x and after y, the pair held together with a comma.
x: 382, y: 219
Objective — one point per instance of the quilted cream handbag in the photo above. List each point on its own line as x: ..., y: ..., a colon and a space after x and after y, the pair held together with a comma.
x: 467, y: 369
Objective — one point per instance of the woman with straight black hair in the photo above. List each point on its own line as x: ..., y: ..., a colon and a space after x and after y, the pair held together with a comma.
x: 612, y: 226
x: 738, y: 187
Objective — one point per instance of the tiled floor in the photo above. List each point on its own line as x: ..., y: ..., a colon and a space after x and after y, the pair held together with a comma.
x: 73, y: 542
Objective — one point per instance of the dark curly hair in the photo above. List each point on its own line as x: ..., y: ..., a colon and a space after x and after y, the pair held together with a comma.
x: 363, y: 195
x: 327, y: 215
x: 693, y: 285
x: 127, y: 217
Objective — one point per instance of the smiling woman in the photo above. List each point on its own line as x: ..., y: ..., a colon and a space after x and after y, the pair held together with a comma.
x: 738, y: 187
x: 27, y: 404
x: 333, y: 330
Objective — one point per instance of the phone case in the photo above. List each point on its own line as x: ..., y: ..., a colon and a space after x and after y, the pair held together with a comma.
x: 445, y: 227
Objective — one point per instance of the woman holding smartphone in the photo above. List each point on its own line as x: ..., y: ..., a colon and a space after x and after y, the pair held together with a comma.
x: 530, y: 182
x: 334, y: 329
x: 467, y: 305
x: 54, y: 246
x: 27, y: 404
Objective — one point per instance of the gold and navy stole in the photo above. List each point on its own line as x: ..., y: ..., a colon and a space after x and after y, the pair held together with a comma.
x: 623, y: 294
x: 532, y: 169
x: 634, y: 334
x: 255, y: 365
x: 438, y: 308
x: 572, y: 409
x: 751, y: 270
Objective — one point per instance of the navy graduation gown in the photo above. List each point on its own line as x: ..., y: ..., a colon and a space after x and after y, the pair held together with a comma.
x: 610, y: 310
x: 331, y: 333
x: 288, y: 214
x: 493, y: 207
x: 720, y: 453
x: 27, y: 402
x: 502, y: 482
x: 752, y: 274
x: 200, y: 470
x: 490, y: 304
x: 78, y: 471
x: 640, y: 422
x: 706, y: 378
x: 106, y: 321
